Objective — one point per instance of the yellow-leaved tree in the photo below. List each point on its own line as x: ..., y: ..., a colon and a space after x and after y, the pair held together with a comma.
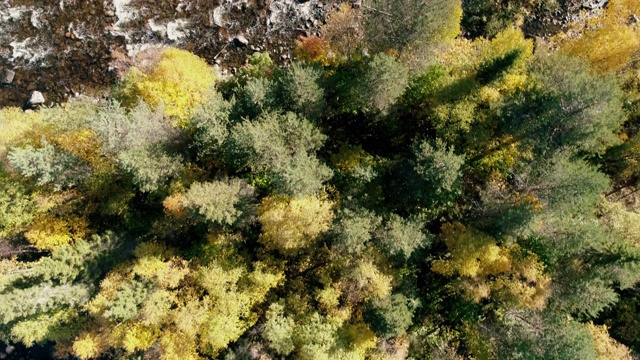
x: 291, y: 224
x: 607, y: 348
x: 506, y: 274
x: 187, y: 309
x: 610, y: 41
x: 178, y: 82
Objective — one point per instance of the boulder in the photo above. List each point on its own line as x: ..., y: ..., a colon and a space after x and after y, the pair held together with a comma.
x: 35, y: 99
x: 240, y: 40
x: 7, y: 76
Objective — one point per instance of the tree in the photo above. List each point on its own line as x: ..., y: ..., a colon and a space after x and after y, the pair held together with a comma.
x: 17, y: 208
x: 210, y: 126
x: 279, y: 330
x: 505, y: 274
x: 384, y: 82
x: 178, y: 81
x: 567, y: 109
x: 292, y: 224
x: 299, y: 90
x: 150, y: 167
x: 533, y: 336
x: 609, y: 42
x: 221, y: 202
x: 353, y: 230
x: 48, y: 165
x: 410, y: 24
x: 282, y: 148
x: 391, y: 316
x: 120, y: 129
x: 52, y: 291
x: 606, y: 347
x: 439, y: 167
x: 402, y: 236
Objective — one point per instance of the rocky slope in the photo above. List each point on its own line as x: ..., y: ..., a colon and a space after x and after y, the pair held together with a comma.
x: 65, y: 47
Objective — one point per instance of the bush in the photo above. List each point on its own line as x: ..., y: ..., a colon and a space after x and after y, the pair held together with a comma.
x: 178, y: 83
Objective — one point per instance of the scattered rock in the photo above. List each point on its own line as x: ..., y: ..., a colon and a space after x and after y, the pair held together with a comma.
x: 110, y: 13
x: 634, y: 18
x: 9, y: 349
x: 7, y: 76
x: 240, y: 40
x: 594, y: 4
x: 35, y: 100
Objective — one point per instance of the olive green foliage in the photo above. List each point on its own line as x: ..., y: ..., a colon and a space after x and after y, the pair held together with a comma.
x: 403, y: 236
x: 402, y: 24
x: 150, y: 167
x: 280, y: 147
x: 354, y: 229
x: 438, y: 166
x: 568, y: 108
x: 210, y: 125
x: 544, y: 338
x: 384, y: 82
x: 391, y: 316
x: 300, y: 91
x: 47, y: 165
x: 218, y: 202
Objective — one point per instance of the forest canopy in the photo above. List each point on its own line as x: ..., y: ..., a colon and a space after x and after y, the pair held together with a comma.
x: 405, y: 189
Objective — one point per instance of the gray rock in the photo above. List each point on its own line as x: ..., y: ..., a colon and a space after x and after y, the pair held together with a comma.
x: 36, y: 98
x: 7, y: 76
x: 9, y: 349
x: 240, y: 40
x: 594, y: 4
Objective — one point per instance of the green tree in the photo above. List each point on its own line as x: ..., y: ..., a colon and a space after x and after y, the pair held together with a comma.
x: 150, y: 167
x: 210, y: 126
x: 222, y: 202
x: 353, y: 229
x: 385, y: 80
x: 281, y: 147
x: 391, y: 316
x: 299, y: 90
x: 402, y: 236
x: 533, y: 336
x: 568, y: 108
x: 48, y: 165
x: 279, y: 330
x: 410, y: 24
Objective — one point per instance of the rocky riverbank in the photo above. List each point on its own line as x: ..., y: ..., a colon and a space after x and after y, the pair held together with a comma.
x: 65, y: 47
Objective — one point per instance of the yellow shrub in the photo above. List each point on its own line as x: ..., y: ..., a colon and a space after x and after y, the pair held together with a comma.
x: 504, y: 273
x: 49, y: 232
x: 290, y: 224
x: 139, y: 337
x: 14, y: 123
x: 606, y: 347
x: 87, y: 347
x: 609, y: 42
x: 178, y: 82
